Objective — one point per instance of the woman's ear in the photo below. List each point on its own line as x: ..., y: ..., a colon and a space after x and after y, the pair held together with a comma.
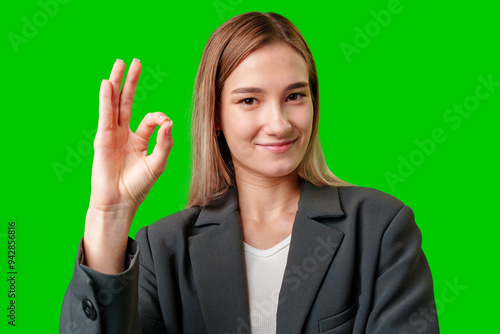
x: 217, y: 122
x: 217, y: 128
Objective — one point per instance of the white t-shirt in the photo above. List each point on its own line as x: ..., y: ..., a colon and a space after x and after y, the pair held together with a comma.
x: 265, y: 269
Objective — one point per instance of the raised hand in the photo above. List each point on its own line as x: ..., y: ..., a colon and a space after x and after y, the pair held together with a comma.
x: 122, y: 172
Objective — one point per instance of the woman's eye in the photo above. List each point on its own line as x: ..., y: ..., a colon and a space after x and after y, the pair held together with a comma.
x: 251, y: 101
x: 296, y: 95
x: 247, y: 101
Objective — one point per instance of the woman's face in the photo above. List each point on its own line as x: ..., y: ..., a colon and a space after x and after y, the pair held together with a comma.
x: 267, y: 112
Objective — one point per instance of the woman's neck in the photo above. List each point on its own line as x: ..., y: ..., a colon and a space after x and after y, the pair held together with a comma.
x: 266, y: 199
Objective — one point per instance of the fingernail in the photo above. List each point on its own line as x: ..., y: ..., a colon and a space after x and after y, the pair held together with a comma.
x: 162, y: 118
x: 119, y: 60
x: 169, y: 130
x: 135, y: 59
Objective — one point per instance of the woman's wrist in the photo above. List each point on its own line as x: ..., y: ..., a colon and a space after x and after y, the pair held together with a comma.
x: 105, y: 240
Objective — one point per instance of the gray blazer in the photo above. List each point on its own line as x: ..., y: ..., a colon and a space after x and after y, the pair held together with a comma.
x: 355, y: 265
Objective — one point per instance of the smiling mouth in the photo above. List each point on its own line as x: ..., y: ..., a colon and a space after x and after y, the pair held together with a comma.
x: 283, y: 143
x: 279, y: 147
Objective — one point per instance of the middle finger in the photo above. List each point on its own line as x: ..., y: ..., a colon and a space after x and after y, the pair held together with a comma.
x: 128, y: 91
x: 116, y: 80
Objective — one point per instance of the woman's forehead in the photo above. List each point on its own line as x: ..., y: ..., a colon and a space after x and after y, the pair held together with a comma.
x: 277, y: 65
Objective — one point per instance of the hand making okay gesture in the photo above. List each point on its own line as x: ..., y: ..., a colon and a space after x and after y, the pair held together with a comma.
x: 122, y: 172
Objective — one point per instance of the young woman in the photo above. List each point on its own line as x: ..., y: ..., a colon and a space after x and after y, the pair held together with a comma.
x: 270, y: 241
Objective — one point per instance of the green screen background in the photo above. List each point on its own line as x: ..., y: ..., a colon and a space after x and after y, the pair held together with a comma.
x: 394, y: 90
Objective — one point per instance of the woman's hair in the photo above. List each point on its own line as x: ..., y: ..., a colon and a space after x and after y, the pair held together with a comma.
x: 212, y: 166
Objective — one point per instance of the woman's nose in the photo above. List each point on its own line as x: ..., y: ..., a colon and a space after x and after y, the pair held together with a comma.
x: 277, y: 121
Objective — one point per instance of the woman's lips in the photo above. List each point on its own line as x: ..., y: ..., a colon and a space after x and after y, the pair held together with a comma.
x: 278, y: 147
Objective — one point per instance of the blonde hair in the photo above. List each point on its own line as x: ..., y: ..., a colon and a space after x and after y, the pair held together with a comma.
x: 212, y: 167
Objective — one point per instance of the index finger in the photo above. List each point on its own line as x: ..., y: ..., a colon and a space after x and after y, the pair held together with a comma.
x: 107, y: 115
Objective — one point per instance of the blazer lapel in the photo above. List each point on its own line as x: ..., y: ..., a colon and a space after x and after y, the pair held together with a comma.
x: 218, y: 261
x: 312, y: 249
x: 219, y: 267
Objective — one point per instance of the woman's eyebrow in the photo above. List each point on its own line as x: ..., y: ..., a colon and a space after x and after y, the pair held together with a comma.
x: 294, y: 85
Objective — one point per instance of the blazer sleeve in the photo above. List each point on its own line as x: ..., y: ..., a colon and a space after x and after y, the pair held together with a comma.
x: 95, y: 302
x: 403, y: 292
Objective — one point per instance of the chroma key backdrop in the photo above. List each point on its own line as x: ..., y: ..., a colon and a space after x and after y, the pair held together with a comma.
x: 410, y: 103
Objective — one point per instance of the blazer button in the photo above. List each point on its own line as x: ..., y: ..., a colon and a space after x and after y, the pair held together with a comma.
x: 89, y: 309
